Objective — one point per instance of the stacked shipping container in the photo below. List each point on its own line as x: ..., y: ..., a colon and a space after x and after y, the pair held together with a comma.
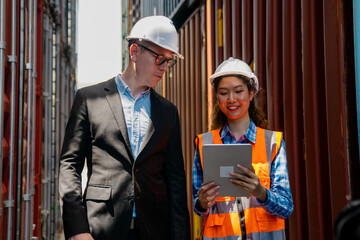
x: 37, y: 66
x: 301, y: 50
x: 303, y: 54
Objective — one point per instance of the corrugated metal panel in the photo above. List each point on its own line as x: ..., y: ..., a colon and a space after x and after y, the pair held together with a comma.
x: 247, y: 29
x: 259, y: 44
x: 227, y: 21
x: 293, y: 119
x: 172, y: 6
x: 6, y: 124
x: 39, y: 124
x: 32, y: 164
x: 301, y: 57
x: 315, y: 132
x: 152, y: 7
x: 236, y: 28
x: 274, y: 64
x: 335, y: 105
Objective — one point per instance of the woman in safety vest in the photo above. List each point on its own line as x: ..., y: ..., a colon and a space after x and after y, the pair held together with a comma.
x: 236, y: 120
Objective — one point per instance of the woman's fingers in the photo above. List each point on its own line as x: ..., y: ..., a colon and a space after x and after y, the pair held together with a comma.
x: 246, y: 171
x: 212, y: 200
x: 204, y: 187
x: 207, y: 194
x: 249, y: 182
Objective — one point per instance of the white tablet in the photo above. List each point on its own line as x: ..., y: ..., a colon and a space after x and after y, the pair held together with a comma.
x: 221, y: 159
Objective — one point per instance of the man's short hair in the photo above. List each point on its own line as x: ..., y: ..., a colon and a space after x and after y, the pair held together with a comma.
x: 131, y: 42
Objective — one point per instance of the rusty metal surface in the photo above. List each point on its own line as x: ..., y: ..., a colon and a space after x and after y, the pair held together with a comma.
x: 335, y: 105
x: 38, y: 212
x: 273, y: 65
x: 293, y: 127
x: 300, y: 51
x: 236, y: 28
x: 315, y: 129
x: 247, y: 30
x: 259, y: 43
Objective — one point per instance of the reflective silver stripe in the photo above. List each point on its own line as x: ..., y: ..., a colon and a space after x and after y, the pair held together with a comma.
x: 268, y: 144
x: 250, y: 202
x: 230, y: 206
x: 223, y: 238
x: 207, y: 138
x: 241, y: 217
x: 224, y: 207
x: 273, y: 144
x: 276, y: 235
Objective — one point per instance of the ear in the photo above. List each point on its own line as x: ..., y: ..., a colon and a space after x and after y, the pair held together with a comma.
x: 134, y: 51
x: 252, y: 94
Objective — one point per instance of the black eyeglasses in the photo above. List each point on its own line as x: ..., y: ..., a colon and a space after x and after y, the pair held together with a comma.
x: 160, y: 59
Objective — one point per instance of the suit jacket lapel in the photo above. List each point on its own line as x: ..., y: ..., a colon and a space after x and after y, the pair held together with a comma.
x: 114, y: 101
x: 153, y: 120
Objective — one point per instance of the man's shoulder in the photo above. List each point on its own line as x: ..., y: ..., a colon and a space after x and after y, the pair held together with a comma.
x: 162, y: 100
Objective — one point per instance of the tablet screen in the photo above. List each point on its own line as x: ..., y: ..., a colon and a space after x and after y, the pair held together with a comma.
x: 221, y: 159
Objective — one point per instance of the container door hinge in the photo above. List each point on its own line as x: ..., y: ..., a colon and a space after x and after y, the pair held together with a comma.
x: 9, y: 203
x: 12, y: 58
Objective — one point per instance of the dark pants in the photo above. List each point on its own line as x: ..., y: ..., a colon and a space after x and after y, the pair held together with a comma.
x: 132, y: 235
x: 134, y: 232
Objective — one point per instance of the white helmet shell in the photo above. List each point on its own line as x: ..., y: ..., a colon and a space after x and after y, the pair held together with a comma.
x: 234, y: 66
x: 159, y: 30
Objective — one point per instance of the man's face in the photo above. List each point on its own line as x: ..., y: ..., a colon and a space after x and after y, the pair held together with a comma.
x: 148, y: 71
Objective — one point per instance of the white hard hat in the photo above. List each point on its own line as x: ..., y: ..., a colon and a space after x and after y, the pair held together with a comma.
x: 159, y: 30
x: 234, y: 66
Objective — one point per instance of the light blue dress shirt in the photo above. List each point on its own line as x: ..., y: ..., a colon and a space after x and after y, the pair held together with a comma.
x: 137, y: 113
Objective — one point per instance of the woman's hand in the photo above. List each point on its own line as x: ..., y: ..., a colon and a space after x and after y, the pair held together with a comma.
x: 249, y: 182
x: 207, y: 195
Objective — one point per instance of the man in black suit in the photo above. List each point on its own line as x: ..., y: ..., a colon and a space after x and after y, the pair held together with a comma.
x: 130, y: 138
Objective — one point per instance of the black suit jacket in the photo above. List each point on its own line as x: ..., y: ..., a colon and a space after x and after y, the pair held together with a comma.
x: 96, y: 131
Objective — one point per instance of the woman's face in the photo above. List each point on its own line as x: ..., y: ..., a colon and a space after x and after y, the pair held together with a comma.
x: 234, y: 97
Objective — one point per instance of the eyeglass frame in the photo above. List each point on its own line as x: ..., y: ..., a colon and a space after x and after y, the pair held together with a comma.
x: 171, y: 62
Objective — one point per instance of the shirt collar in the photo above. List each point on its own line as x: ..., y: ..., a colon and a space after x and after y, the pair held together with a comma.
x: 125, y: 88
x: 250, y: 132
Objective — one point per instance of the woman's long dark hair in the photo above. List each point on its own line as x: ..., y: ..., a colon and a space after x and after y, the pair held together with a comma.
x: 218, y: 119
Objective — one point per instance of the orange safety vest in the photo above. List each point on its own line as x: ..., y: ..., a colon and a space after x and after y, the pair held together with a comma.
x: 241, y: 217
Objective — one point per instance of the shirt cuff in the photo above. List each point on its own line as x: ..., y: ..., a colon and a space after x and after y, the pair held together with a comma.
x: 199, y: 211
x: 267, y: 202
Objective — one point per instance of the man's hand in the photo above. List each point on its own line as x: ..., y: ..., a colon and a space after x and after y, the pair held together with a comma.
x: 207, y: 195
x: 82, y: 236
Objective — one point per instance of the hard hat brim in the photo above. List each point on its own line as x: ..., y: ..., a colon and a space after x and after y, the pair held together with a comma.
x: 220, y: 74
x: 157, y: 44
x: 227, y: 73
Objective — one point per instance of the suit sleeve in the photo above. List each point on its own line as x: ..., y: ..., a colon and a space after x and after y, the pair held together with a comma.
x: 180, y: 223
x: 72, y: 159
